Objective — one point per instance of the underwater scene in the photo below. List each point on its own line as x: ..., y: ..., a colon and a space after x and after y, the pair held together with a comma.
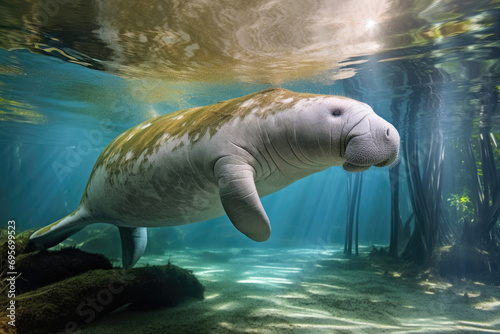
x: 267, y: 166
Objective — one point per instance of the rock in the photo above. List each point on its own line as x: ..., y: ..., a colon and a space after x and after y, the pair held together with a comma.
x: 46, y: 267
x: 76, y: 301
x: 59, y: 291
x: 464, y: 261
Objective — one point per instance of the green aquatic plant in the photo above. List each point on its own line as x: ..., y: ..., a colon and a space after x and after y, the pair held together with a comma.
x: 481, y: 158
x: 462, y: 205
x: 422, y: 157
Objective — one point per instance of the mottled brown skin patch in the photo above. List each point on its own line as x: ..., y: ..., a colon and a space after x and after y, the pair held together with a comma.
x: 194, y: 122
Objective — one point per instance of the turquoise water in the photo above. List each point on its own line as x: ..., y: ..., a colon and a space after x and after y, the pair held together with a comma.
x: 48, y: 170
x: 75, y: 76
x: 56, y: 90
x: 53, y: 101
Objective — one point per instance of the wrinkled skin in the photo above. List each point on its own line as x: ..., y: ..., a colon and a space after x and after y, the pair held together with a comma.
x: 359, y: 137
x: 176, y: 169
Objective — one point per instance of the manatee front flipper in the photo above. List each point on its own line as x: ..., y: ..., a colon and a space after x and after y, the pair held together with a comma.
x: 134, y: 242
x: 241, y: 201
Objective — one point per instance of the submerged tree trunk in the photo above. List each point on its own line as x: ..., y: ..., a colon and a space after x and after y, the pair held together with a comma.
x: 348, y: 222
x: 352, y: 221
x: 396, y: 223
x: 424, y: 152
x: 485, y: 187
x: 359, y: 178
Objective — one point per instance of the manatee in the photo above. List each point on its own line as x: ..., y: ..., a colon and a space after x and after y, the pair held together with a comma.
x: 204, y: 162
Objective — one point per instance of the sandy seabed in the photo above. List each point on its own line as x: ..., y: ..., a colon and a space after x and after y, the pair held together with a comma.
x: 309, y: 291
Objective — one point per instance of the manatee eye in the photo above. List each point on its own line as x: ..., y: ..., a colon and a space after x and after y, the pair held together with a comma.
x: 336, y: 112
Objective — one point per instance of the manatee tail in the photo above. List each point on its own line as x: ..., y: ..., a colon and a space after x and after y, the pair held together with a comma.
x: 134, y: 239
x: 58, y: 231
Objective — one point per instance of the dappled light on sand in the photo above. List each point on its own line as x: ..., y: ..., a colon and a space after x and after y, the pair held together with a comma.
x: 260, y: 291
x: 76, y: 74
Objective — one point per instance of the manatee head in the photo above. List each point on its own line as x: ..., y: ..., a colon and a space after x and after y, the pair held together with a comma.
x: 336, y: 130
x: 368, y: 140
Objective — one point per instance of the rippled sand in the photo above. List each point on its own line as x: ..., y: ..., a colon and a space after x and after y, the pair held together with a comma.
x: 310, y: 291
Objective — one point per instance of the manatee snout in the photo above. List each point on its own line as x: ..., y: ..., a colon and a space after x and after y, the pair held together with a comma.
x: 388, y: 143
x: 371, y: 142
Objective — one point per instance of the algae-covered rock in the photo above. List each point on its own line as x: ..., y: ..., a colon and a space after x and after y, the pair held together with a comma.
x: 58, y: 291
x: 39, y: 268
x: 21, y: 241
x: 163, y: 286
x: 46, y: 267
x: 76, y: 301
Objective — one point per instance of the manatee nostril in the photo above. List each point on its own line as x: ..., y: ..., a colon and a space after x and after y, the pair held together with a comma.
x: 388, y: 132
